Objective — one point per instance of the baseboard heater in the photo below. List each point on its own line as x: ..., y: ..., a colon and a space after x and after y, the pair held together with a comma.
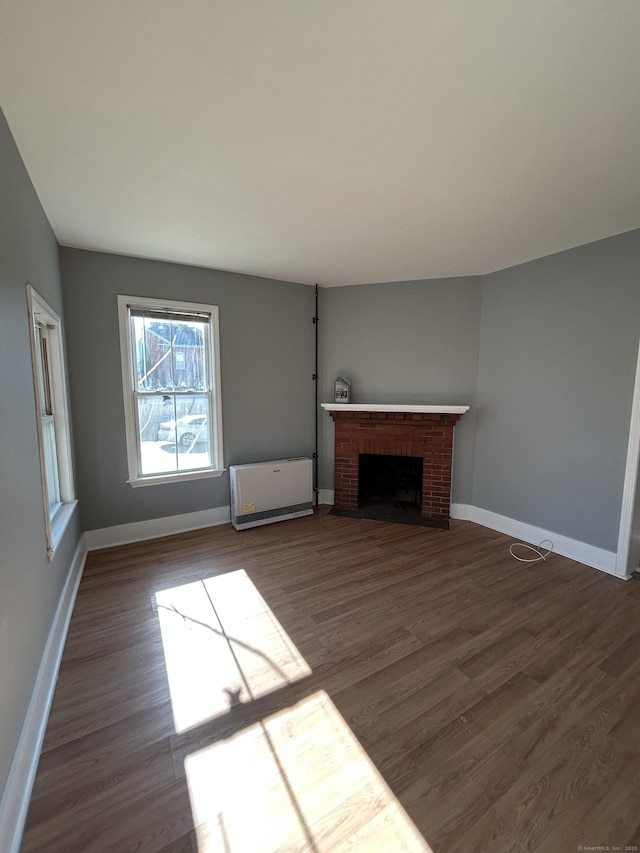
x: 270, y: 491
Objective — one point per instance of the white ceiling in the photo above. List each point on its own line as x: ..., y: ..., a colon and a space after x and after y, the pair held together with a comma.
x: 337, y: 141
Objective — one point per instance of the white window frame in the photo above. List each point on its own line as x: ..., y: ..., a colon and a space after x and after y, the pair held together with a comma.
x: 51, y: 374
x: 128, y: 364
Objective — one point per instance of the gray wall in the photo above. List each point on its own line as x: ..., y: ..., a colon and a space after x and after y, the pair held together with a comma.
x: 559, y: 340
x: 30, y: 586
x: 267, y: 345
x: 404, y: 342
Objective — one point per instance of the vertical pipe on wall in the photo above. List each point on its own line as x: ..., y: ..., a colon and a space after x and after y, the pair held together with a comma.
x: 315, y: 379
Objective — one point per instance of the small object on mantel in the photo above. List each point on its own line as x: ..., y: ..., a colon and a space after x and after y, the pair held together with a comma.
x: 342, y: 390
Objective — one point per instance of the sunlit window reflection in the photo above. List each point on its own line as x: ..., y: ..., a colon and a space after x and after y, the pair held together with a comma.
x: 298, y: 780
x: 222, y: 646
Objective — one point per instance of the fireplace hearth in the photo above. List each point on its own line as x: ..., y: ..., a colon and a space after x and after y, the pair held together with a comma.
x: 414, y: 490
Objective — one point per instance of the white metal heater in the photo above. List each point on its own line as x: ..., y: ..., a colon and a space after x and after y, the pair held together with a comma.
x: 270, y: 491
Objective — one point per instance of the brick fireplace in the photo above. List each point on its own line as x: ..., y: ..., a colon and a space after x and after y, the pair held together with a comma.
x: 396, y: 430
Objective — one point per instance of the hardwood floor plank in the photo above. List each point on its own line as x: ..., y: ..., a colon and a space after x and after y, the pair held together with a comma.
x: 623, y: 657
x: 497, y: 702
x: 62, y: 811
x: 105, y: 746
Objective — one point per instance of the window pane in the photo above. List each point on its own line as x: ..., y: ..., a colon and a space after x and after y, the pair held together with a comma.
x: 174, y: 433
x: 51, y: 463
x: 170, y: 355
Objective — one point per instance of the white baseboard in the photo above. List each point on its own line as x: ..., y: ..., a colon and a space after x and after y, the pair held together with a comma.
x: 22, y: 773
x: 138, y: 531
x: 461, y: 511
x: 123, y: 534
x: 597, y: 558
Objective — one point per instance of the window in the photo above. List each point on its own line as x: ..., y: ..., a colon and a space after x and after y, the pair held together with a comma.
x: 171, y: 385
x: 53, y: 418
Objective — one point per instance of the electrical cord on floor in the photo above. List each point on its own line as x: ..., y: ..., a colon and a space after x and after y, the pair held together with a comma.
x: 540, y: 556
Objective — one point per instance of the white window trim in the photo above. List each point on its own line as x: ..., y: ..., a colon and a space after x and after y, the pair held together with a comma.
x: 41, y: 312
x: 126, y: 351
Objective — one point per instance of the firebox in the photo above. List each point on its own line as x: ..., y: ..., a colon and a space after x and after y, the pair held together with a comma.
x: 388, y: 485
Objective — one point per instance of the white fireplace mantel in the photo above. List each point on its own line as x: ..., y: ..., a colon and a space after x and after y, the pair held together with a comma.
x: 395, y: 407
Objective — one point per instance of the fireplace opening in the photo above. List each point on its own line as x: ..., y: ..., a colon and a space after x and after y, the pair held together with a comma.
x: 390, y: 487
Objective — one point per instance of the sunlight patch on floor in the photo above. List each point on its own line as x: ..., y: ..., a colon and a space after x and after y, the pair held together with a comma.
x: 222, y: 646
x: 298, y: 780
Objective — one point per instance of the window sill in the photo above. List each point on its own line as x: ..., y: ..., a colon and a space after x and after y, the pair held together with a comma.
x: 59, y: 524
x: 176, y: 478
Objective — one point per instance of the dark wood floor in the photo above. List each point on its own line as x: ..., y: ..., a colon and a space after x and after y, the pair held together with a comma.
x: 331, y: 684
